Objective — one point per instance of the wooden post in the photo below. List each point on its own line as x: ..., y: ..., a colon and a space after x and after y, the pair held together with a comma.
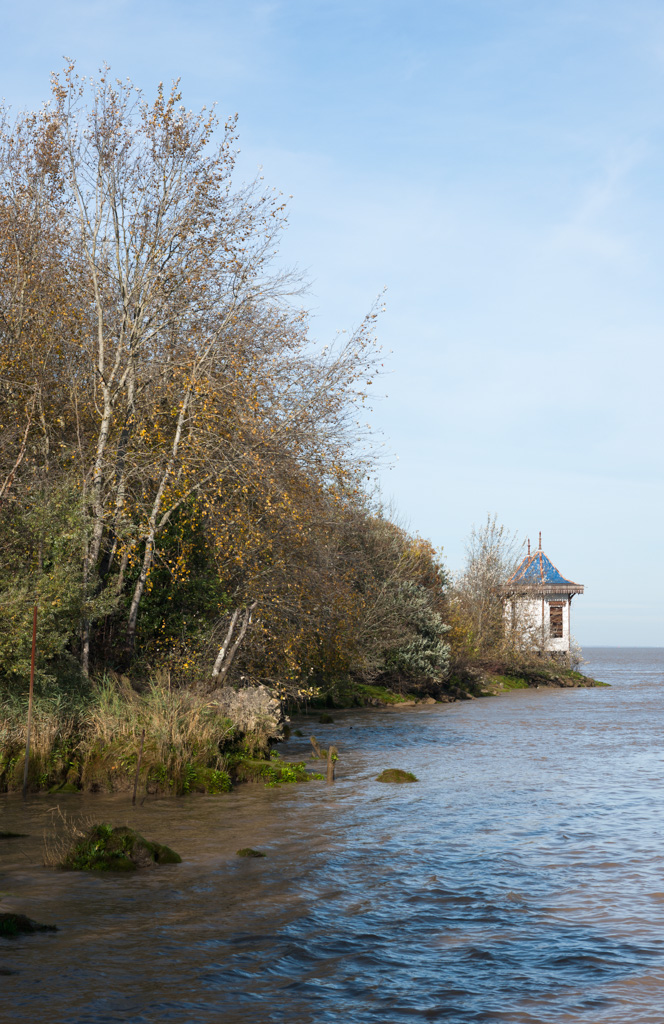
x: 331, y: 758
x: 138, y: 768
x: 316, y: 745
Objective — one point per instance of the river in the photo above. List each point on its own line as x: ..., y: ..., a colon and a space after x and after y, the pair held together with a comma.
x: 520, y: 880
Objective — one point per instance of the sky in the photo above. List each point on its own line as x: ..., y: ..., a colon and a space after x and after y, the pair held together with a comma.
x: 498, y: 167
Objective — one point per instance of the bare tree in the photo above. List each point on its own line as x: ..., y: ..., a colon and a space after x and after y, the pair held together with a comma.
x: 492, y: 554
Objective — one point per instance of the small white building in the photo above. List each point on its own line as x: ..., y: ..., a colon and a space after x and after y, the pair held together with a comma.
x: 537, y: 603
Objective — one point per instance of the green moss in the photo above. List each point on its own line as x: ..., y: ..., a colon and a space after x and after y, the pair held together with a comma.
x: 247, y: 851
x: 105, y: 848
x: 380, y: 693
x: 511, y: 682
x: 396, y: 775
x: 325, y: 720
x: 12, y: 925
x: 64, y: 787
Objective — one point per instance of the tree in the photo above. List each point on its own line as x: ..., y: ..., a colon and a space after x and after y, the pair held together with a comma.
x: 148, y: 350
x: 476, y: 607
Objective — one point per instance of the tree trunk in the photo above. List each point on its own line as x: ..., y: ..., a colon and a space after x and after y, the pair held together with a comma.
x: 225, y: 660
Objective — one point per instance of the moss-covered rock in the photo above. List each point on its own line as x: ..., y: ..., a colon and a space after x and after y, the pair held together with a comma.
x: 325, y: 720
x: 396, y: 775
x: 105, y: 848
x: 12, y: 925
x: 247, y: 851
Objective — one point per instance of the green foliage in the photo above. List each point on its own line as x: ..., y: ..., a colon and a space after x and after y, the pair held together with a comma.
x: 184, y: 597
x: 41, y: 564
x: 425, y: 654
x: 271, y: 773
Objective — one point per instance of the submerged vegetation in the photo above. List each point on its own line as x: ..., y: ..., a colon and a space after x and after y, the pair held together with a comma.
x: 104, y: 848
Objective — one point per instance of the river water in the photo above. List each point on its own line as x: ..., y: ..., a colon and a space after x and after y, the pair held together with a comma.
x: 520, y: 880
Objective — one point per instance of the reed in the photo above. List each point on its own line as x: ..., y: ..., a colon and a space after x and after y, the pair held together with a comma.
x: 91, y: 741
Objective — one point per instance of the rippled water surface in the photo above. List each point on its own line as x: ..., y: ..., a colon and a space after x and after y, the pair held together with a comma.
x: 521, y: 880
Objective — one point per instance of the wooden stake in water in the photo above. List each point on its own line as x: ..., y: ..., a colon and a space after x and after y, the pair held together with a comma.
x: 138, y: 767
x: 316, y: 745
x: 32, y: 686
x: 332, y: 753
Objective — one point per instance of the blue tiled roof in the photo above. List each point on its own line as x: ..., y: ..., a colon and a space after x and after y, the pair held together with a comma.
x: 538, y: 570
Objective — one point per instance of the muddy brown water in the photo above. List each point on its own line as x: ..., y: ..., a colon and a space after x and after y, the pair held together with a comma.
x: 521, y: 880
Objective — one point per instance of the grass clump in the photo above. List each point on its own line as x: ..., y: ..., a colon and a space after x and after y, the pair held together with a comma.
x: 247, y: 851
x: 104, y: 848
x: 396, y: 775
x: 272, y: 773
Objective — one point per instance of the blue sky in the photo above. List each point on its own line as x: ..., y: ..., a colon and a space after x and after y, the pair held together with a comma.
x: 498, y: 165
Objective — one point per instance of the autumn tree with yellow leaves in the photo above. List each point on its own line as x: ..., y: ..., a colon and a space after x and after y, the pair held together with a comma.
x: 180, y: 465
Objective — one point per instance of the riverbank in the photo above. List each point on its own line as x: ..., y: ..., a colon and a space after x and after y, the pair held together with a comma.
x: 465, y: 683
x: 177, y: 741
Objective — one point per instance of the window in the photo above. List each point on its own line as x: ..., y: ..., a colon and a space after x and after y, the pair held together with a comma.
x: 556, y: 619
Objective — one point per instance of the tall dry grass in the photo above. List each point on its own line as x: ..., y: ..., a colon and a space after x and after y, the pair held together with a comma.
x: 92, y: 741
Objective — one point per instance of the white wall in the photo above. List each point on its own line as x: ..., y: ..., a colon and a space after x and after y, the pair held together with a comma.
x: 525, y: 613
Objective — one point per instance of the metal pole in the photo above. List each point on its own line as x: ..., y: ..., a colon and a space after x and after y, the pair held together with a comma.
x: 138, y: 768
x: 32, y: 686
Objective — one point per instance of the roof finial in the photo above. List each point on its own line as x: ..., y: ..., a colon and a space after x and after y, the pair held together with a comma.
x: 529, y: 547
x: 540, y: 540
